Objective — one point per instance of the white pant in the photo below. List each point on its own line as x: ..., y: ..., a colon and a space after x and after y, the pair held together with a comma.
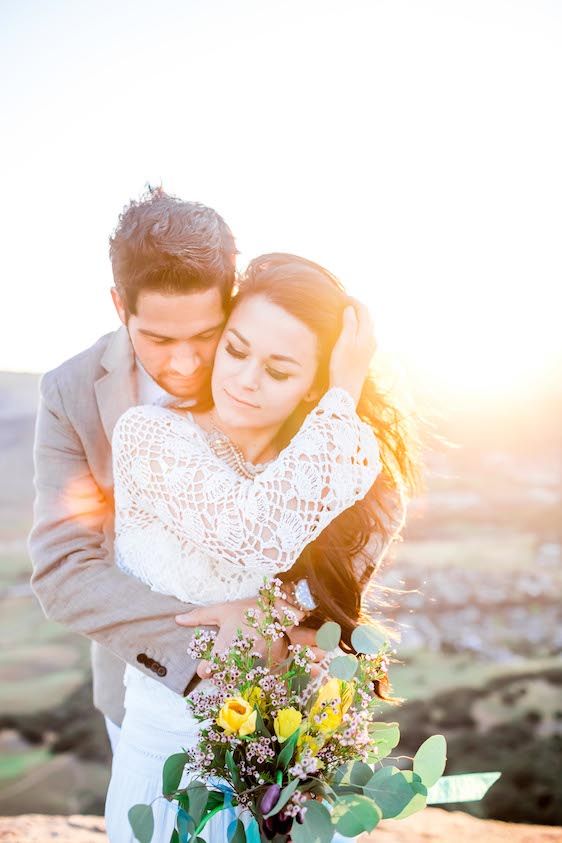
x: 113, y: 733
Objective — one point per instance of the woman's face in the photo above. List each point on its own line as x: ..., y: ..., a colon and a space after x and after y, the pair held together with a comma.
x: 265, y: 366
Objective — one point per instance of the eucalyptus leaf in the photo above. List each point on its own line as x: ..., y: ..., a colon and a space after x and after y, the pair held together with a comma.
x: 354, y: 814
x: 419, y: 800
x: 328, y: 636
x: 198, y: 798
x: 141, y: 819
x: 172, y: 772
x: 342, y: 775
x: 430, y: 759
x: 390, y: 790
x: 465, y: 787
x: 317, y: 826
x: 384, y: 737
x: 343, y: 667
x: 360, y: 773
x: 368, y: 638
x: 236, y: 832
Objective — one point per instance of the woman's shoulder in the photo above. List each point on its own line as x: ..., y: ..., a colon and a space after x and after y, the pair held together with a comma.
x: 148, y: 419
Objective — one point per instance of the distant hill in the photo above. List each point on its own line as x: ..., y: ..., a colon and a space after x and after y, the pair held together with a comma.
x: 18, y: 406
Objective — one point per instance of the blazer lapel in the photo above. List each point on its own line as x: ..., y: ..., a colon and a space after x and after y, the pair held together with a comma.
x: 116, y: 390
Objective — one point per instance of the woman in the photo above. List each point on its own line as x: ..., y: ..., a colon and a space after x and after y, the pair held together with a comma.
x: 208, y: 503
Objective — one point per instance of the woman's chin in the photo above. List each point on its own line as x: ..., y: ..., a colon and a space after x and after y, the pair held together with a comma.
x: 234, y: 416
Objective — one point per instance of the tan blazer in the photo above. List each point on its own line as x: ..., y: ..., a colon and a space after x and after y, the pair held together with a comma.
x: 71, y: 543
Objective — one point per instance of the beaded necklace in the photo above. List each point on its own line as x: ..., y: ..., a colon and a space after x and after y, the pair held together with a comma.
x: 230, y: 453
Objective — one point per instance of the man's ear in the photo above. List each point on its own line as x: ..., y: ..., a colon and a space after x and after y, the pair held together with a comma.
x: 119, y: 306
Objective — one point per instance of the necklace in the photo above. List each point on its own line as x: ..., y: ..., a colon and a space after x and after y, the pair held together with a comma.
x: 230, y: 453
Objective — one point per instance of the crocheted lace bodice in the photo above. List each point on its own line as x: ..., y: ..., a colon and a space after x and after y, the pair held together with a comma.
x: 188, y: 525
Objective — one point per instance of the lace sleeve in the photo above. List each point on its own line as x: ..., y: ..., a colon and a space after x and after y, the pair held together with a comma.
x: 163, y: 466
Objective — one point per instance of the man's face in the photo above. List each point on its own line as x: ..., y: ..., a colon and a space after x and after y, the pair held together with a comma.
x: 175, y: 337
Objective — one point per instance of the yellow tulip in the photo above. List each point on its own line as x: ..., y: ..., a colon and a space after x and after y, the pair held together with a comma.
x: 287, y: 721
x: 332, y: 702
x: 237, y: 717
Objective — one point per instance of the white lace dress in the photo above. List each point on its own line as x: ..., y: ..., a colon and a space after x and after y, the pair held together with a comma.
x: 188, y: 525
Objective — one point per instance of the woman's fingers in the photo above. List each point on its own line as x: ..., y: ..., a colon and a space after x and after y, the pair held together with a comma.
x: 201, y: 616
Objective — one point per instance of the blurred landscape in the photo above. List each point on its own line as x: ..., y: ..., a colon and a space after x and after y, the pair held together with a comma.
x: 474, y: 588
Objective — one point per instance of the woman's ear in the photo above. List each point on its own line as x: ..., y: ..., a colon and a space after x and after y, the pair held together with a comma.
x: 313, y: 394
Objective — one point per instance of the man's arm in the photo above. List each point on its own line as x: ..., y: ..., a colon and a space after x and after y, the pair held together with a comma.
x: 74, y: 575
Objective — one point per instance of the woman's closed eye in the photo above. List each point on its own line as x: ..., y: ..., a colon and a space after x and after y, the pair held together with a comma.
x: 241, y: 355
x: 278, y: 376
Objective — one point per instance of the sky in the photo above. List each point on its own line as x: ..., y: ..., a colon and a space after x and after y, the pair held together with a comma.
x: 411, y: 146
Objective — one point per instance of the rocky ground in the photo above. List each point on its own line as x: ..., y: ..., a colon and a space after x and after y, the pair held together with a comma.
x: 431, y: 826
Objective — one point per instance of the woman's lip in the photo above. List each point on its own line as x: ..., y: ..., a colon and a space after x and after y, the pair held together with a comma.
x: 239, y: 401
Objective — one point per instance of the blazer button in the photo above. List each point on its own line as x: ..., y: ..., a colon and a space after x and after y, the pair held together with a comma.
x: 162, y: 671
x: 154, y: 667
x: 141, y: 658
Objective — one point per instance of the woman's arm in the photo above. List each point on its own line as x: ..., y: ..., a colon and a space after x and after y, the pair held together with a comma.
x: 164, y: 468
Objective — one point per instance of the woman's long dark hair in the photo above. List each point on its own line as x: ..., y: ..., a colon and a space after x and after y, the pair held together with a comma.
x: 337, y: 563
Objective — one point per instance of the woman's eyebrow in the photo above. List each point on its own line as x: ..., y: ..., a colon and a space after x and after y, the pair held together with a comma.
x: 282, y: 357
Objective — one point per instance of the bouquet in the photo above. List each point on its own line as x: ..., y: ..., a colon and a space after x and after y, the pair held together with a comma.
x: 292, y: 757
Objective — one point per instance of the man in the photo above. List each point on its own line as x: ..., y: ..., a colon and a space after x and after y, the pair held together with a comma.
x: 174, y: 268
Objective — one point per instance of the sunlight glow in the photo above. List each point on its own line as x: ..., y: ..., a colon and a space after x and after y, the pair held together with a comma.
x: 414, y: 149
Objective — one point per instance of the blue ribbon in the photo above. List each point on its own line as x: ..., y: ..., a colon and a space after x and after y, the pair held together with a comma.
x: 252, y: 829
x: 219, y: 784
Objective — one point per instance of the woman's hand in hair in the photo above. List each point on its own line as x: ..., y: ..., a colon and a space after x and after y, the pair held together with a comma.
x: 353, y: 351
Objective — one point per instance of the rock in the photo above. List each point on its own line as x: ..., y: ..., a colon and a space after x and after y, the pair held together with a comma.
x: 430, y: 826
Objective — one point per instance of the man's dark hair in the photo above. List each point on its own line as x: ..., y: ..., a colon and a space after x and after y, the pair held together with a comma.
x: 166, y: 245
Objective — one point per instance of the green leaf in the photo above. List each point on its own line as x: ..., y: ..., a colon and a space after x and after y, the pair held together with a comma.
x: 343, y: 667
x: 430, y: 759
x: 261, y: 728
x: 354, y: 814
x: 466, y: 787
x: 384, y: 737
x: 216, y: 798
x: 419, y: 801
x: 233, y: 769
x: 368, y: 638
x: 342, y: 774
x: 328, y: 636
x: 317, y: 826
x: 198, y: 798
x: 284, y: 797
x: 286, y: 754
x: 141, y: 819
x: 391, y: 791
x: 360, y: 773
x: 355, y: 774
x: 172, y: 773
x: 175, y: 837
x: 236, y: 832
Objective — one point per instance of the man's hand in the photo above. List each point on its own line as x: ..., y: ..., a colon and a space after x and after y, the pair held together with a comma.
x: 349, y: 364
x: 229, y: 618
